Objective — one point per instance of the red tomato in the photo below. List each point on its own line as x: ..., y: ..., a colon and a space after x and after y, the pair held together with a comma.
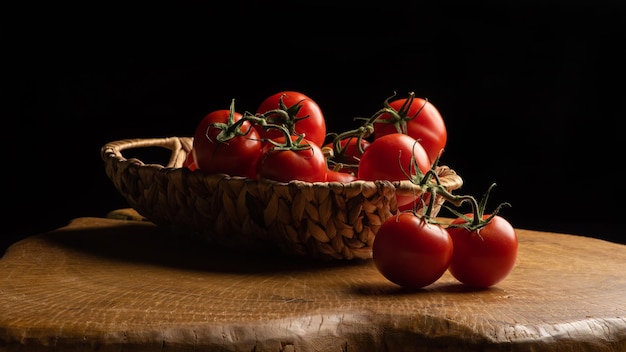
x: 190, y: 161
x: 389, y: 157
x: 420, y: 120
x: 339, y: 176
x: 306, y: 116
x: 485, y: 257
x: 410, y: 252
x: 420, y: 202
x: 236, y: 156
x: 306, y: 163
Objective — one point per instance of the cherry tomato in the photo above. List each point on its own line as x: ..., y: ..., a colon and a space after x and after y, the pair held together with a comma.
x: 305, y: 115
x: 389, y: 157
x: 418, y: 203
x: 410, y: 252
x: 339, y: 176
x: 349, y: 154
x: 423, y: 122
x: 190, y: 161
x: 305, y: 163
x: 236, y: 156
x: 485, y: 257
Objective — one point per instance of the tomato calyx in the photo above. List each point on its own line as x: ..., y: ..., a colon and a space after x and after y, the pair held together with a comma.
x: 337, y: 155
x: 230, y: 129
x: 431, y: 185
x: 283, y: 116
x: 400, y: 117
x: 292, y: 141
x: 396, y: 117
x: 299, y: 143
x: 478, y: 219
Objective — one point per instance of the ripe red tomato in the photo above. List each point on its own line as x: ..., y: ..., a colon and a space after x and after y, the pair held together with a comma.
x: 349, y: 154
x: 306, y: 163
x: 410, y: 252
x: 389, y: 156
x: 339, y: 176
x: 306, y: 116
x: 237, y: 156
x: 190, y: 161
x: 422, y: 121
x: 485, y: 257
x: 418, y: 203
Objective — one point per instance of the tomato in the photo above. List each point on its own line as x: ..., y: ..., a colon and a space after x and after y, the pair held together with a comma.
x: 410, y: 252
x: 348, y: 154
x: 419, y: 202
x: 304, y: 161
x: 389, y: 157
x: 483, y: 257
x: 339, y: 176
x: 236, y: 156
x: 305, y: 116
x: 420, y: 119
x: 190, y: 161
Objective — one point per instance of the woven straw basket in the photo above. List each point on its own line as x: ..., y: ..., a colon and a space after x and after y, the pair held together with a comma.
x: 322, y: 220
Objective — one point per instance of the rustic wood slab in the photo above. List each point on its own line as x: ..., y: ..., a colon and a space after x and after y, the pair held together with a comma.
x: 103, y: 284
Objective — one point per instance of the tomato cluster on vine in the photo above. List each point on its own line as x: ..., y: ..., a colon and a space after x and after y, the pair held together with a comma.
x: 286, y: 139
x: 479, y: 249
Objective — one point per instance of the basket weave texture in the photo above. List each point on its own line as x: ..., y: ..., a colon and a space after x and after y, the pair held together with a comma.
x: 321, y: 220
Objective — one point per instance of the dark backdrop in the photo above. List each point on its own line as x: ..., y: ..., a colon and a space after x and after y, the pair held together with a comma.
x: 533, y: 95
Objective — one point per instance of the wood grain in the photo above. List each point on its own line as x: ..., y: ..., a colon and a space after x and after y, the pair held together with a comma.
x: 121, y: 285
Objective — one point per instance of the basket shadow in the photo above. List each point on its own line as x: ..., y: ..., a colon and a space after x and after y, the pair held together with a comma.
x: 144, y: 243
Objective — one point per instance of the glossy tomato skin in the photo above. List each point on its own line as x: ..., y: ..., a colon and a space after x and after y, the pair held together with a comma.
x: 236, y: 157
x: 313, y: 127
x: 411, y: 252
x: 483, y: 259
x: 428, y: 126
x: 380, y: 160
x: 417, y: 204
x: 190, y: 161
x: 339, y: 176
x: 307, y: 165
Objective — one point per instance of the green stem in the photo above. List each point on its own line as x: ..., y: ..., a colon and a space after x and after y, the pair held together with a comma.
x: 230, y: 129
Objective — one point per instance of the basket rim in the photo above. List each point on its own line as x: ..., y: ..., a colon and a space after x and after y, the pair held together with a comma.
x: 180, y: 146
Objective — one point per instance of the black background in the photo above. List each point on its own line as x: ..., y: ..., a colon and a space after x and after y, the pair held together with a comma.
x: 532, y: 94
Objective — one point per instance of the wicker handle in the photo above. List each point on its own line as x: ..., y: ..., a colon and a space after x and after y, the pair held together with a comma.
x: 180, y: 147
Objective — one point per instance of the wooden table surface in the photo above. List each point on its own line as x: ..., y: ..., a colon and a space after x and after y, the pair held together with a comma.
x: 102, y: 284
